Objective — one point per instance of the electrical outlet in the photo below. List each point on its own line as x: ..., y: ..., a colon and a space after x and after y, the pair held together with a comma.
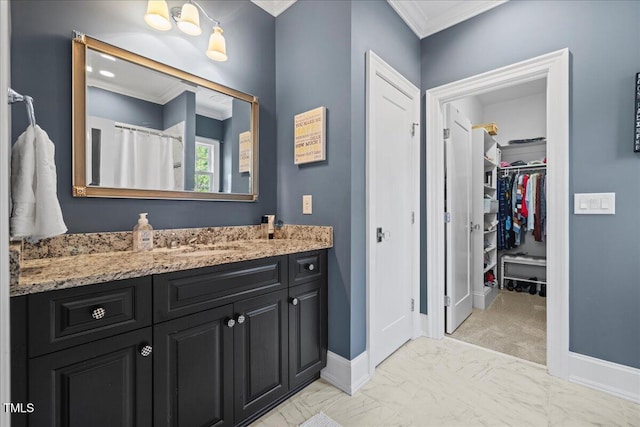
x: 307, y: 204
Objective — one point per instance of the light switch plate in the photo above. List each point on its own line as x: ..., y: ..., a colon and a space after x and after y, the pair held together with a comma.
x: 307, y: 204
x: 594, y: 203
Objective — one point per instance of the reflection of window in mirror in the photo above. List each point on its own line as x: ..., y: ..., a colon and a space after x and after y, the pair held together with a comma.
x: 207, y: 165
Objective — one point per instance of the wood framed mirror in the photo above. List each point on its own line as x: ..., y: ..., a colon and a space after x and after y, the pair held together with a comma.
x: 143, y: 129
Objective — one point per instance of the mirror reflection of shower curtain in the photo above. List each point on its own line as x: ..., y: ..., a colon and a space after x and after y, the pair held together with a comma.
x: 137, y: 159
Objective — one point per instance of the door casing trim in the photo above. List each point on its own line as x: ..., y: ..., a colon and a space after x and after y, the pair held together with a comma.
x: 554, y: 67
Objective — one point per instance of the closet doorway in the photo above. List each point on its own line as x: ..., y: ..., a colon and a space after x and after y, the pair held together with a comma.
x: 553, y: 69
x: 504, y: 245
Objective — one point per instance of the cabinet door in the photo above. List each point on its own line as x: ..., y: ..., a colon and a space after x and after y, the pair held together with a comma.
x: 307, y: 332
x: 103, y: 383
x: 193, y: 370
x: 261, y: 357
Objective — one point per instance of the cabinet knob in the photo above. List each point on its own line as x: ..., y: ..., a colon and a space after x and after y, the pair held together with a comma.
x: 146, y: 350
x: 240, y: 319
x: 311, y: 267
x: 230, y: 323
x: 98, y: 313
x: 294, y: 301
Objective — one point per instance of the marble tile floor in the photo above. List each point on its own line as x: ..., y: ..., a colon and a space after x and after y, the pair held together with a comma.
x: 515, y: 323
x: 450, y: 383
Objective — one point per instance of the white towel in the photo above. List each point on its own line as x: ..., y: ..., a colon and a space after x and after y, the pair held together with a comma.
x: 36, y: 211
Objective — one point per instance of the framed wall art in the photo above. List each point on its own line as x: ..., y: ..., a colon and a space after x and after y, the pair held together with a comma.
x: 309, y: 136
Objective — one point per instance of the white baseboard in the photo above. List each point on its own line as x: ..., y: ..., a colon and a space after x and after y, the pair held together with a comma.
x: 618, y: 380
x: 424, y: 325
x: 348, y: 375
x: 483, y: 299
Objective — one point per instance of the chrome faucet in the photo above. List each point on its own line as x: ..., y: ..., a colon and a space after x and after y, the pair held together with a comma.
x: 193, y: 242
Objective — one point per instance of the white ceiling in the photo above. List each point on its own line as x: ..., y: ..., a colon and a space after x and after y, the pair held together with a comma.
x: 424, y: 17
x: 153, y: 86
x: 534, y: 87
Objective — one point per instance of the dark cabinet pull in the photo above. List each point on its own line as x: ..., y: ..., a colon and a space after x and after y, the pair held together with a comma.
x: 310, y: 267
x: 294, y: 301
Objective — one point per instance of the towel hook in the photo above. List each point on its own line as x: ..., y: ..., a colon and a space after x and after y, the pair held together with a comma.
x: 28, y: 101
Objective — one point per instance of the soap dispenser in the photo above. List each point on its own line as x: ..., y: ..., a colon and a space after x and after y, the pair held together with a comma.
x: 143, y: 234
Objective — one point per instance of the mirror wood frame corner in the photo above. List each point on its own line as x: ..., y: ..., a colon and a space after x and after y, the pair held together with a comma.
x: 81, y: 43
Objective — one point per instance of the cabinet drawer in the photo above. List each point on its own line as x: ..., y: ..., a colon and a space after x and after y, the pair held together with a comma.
x: 186, y: 292
x: 307, y: 266
x: 68, y: 317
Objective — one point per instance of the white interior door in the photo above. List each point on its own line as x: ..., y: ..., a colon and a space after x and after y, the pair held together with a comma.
x: 392, y: 143
x: 459, y: 228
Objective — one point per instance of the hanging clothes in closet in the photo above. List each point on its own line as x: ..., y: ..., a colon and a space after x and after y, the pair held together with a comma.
x: 522, y: 207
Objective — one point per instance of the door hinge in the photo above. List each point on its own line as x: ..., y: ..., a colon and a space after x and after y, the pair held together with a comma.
x: 447, y: 217
x: 413, y: 304
x: 413, y: 128
x: 413, y: 217
x: 447, y: 301
x: 446, y: 133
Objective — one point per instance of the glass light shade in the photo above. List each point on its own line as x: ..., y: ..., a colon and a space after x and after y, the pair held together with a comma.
x: 217, y: 49
x: 189, y: 22
x: 157, y: 15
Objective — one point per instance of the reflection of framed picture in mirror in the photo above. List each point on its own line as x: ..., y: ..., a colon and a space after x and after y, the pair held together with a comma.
x: 245, y: 140
x: 636, y: 132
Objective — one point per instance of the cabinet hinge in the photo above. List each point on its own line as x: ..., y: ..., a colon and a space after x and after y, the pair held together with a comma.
x: 446, y: 133
x: 413, y: 304
x: 413, y: 217
x: 447, y: 301
x: 447, y: 217
x: 413, y: 128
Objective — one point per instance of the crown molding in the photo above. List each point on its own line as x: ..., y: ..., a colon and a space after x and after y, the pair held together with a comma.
x: 415, y: 14
x: 274, y: 7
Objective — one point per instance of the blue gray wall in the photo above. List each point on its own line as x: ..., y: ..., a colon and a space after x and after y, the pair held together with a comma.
x: 122, y: 108
x: 603, y: 39
x: 317, y: 66
x: 374, y: 26
x: 209, y: 128
x: 41, y: 67
x: 312, y: 63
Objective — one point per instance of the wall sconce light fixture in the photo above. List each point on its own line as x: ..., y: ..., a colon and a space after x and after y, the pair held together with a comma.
x: 188, y: 21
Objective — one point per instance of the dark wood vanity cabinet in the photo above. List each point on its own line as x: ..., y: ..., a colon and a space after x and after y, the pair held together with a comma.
x: 261, y: 355
x: 307, y: 331
x: 82, y: 356
x: 219, y: 346
x: 104, y: 383
x: 193, y: 370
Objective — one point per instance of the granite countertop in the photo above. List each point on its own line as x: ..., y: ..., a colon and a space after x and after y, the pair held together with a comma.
x: 45, y: 274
